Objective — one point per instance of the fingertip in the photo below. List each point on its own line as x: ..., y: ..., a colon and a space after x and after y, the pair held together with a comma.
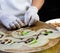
x: 12, y: 25
x: 8, y: 27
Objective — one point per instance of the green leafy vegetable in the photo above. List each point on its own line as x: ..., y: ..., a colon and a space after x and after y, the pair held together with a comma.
x: 24, y: 33
x: 33, y: 42
x: 48, y: 32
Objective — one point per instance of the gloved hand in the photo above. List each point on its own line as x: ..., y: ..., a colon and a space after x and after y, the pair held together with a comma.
x: 31, y: 16
x: 11, y: 22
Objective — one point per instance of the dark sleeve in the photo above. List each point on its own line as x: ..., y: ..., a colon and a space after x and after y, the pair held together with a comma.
x: 50, y: 10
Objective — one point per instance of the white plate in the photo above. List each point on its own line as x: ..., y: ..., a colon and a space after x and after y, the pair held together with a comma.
x: 54, y: 21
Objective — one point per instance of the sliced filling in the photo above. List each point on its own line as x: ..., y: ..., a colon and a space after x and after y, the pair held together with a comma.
x: 47, y: 32
x: 22, y: 32
x: 1, y: 35
x: 31, y: 41
x: 6, y: 41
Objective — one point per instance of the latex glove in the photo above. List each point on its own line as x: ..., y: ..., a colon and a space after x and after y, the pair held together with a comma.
x: 11, y: 22
x: 31, y: 16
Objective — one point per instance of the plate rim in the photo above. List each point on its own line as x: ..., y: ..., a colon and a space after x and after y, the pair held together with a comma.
x: 49, y: 21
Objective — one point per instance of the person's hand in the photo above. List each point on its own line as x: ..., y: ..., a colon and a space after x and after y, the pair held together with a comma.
x: 31, y: 16
x: 11, y: 22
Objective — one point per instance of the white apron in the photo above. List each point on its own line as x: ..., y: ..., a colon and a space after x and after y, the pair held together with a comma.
x: 14, y: 7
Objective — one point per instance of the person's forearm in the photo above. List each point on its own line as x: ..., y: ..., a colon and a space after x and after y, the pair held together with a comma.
x: 38, y: 3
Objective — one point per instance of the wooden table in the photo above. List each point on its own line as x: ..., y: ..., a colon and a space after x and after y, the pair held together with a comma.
x: 53, y: 49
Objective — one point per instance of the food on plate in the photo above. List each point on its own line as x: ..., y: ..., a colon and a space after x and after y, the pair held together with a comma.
x: 22, y: 33
x: 13, y: 46
x: 39, y: 38
x: 2, y: 35
x: 8, y: 40
x: 55, y: 24
x: 25, y: 39
x: 50, y: 33
x: 33, y: 42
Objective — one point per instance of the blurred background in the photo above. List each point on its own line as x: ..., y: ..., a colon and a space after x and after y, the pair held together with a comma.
x: 50, y: 10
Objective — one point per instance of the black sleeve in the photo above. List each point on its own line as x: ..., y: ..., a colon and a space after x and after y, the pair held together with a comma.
x: 50, y: 10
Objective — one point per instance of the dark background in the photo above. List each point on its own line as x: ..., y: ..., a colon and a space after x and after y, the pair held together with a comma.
x: 50, y: 10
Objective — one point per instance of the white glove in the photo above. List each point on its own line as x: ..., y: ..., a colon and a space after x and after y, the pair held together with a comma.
x: 31, y: 16
x: 11, y: 22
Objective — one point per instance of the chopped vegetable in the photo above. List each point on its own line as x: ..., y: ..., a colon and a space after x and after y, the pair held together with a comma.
x: 1, y: 35
x: 48, y: 32
x: 29, y: 40
x: 33, y: 42
x: 24, y: 33
x: 2, y: 42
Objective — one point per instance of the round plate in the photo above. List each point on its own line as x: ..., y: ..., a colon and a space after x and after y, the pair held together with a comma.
x: 39, y: 25
x: 54, y: 21
x: 49, y: 45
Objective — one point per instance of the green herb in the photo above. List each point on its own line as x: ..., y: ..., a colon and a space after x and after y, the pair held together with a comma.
x: 48, y: 32
x: 33, y: 42
x: 24, y: 33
